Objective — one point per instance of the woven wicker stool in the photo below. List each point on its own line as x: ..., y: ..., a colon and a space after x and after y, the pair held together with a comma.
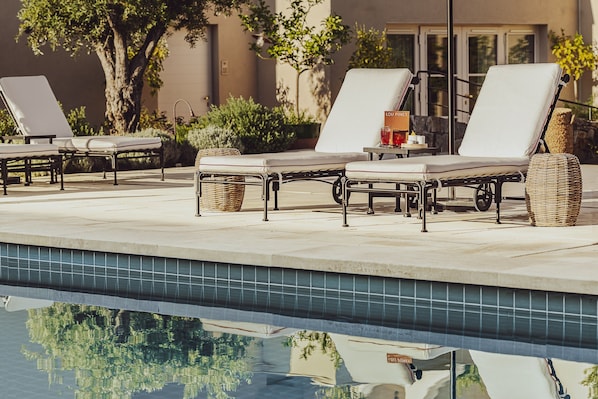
x: 553, y: 190
x: 221, y: 197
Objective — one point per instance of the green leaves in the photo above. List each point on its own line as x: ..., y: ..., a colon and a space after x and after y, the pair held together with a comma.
x: 291, y: 39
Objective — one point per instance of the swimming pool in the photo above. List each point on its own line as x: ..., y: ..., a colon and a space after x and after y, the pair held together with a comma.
x: 79, y: 349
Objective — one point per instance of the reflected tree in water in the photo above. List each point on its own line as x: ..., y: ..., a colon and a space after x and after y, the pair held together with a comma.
x: 470, y: 377
x: 309, y: 341
x: 115, y: 353
x: 591, y: 381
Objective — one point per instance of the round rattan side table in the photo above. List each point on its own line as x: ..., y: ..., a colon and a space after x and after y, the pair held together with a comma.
x: 553, y: 190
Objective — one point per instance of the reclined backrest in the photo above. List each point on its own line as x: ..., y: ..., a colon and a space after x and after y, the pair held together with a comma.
x: 511, y: 110
x: 357, y: 114
x: 32, y: 103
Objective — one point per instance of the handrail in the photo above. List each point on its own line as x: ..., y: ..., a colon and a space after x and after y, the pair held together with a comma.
x: 461, y: 95
x: 589, y: 107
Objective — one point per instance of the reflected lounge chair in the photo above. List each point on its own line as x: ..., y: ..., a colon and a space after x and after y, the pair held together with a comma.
x: 354, y: 122
x: 37, y: 114
x: 506, y: 127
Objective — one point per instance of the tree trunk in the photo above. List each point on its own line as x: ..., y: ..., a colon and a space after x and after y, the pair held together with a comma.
x: 125, y: 76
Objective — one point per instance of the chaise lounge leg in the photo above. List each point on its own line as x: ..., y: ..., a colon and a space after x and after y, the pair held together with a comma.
x: 198, y: 195
x: 162, y: 163
x: 345, y: 199
x: 265, y: 194
x: 114, y: 167
x: 498, y: 198
x: 60, y: 171
x: 423, y: 204
x: 4, y: 175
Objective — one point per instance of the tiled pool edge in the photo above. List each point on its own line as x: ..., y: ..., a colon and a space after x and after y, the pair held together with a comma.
x: 519, y: 316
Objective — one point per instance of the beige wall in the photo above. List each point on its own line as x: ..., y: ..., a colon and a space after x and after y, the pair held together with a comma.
x: 552, y: 14
x: 80, y: 81
x: 76, y: 81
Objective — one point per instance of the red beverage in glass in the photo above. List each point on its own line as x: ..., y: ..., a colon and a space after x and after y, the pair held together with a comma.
x: 385, y: 134
x: 399, y: 137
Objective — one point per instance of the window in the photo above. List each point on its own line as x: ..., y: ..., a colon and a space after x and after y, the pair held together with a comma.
x: 424, y: 49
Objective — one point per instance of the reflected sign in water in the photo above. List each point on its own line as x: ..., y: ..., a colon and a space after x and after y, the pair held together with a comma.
x: 52, y: 350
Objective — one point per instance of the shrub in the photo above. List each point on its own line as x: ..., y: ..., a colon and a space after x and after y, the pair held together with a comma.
x: 214, y: 137
x: 7, y: 125
x: 77, y: 119
x: 260, y: 129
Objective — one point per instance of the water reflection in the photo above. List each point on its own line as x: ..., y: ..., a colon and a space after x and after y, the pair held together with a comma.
x: 96, y: 352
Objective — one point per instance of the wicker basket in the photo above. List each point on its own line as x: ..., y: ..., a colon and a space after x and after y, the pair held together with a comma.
x: 553, y: 190
x: 221, y: 197
x: 559, y: 134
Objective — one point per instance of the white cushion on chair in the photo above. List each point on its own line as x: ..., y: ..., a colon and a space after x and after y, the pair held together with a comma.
x: 108, y: 144
x: 17, y: 151
x: 511, y: 110
x: 431, y: 167
x: 357, y: 115
x: 278, y: 162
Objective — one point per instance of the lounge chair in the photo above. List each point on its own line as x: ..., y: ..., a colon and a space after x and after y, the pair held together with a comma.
x: 32, y: 104
x: 505, y: 129
x: 19, y: 157
x: 354, y: 122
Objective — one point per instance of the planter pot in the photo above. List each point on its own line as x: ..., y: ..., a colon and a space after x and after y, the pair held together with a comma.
x: 306, y: 133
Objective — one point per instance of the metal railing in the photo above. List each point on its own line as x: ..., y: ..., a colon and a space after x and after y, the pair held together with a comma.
x: 458, y: 94
x: 591, y: 110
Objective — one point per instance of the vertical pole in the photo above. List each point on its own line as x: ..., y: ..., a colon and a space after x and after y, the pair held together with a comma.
x: 453, y: 375
x: 451, y: 84
x: 451, y: 77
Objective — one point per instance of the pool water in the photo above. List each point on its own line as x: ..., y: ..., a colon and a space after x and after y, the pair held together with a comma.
x: 75, y: 348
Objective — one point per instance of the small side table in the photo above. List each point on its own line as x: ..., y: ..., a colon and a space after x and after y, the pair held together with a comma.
x: 399, y: 152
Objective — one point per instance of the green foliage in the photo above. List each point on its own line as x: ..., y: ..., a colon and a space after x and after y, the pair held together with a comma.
x: 77, y: 119
x: 591, y: 381
x: 259, y: 128
x: 572, y: 54
x: 315, y: 340
x: 291, y: 40
x: 291, y: 117
x: 7, y: 124
x: 214, y: 137
x: 155, y: 119
x: 125, y: 35
x: 469, y: 377
x: 371, y: 50
x: 174, y: 152
x: 115, y: 353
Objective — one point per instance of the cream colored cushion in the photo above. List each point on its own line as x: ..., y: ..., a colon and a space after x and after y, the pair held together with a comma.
x: 37, y: 113
x: 108, y: 144
x: 16, y: 151
x: 357, y: 115
x: 279, y: 162
x: 511, y: 110
x: 440, y: 167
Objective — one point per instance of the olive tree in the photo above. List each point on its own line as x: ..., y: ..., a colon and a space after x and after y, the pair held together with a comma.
x: 124, y: 34
x: 287, y: 36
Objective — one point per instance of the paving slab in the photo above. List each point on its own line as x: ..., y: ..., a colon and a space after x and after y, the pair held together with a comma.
x: 143, y: 215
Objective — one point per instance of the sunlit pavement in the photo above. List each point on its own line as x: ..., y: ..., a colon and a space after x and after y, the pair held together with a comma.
x: 143, y: 215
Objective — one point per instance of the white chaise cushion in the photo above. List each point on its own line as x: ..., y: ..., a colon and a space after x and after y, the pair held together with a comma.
x: 441, y: 167
x: 20, y: 151
x: 279, y: 162
x: 357, y: 114
x: 108, y: 144
x: 37, y: 113
x: 511, y: 110
x: 34, y: 106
